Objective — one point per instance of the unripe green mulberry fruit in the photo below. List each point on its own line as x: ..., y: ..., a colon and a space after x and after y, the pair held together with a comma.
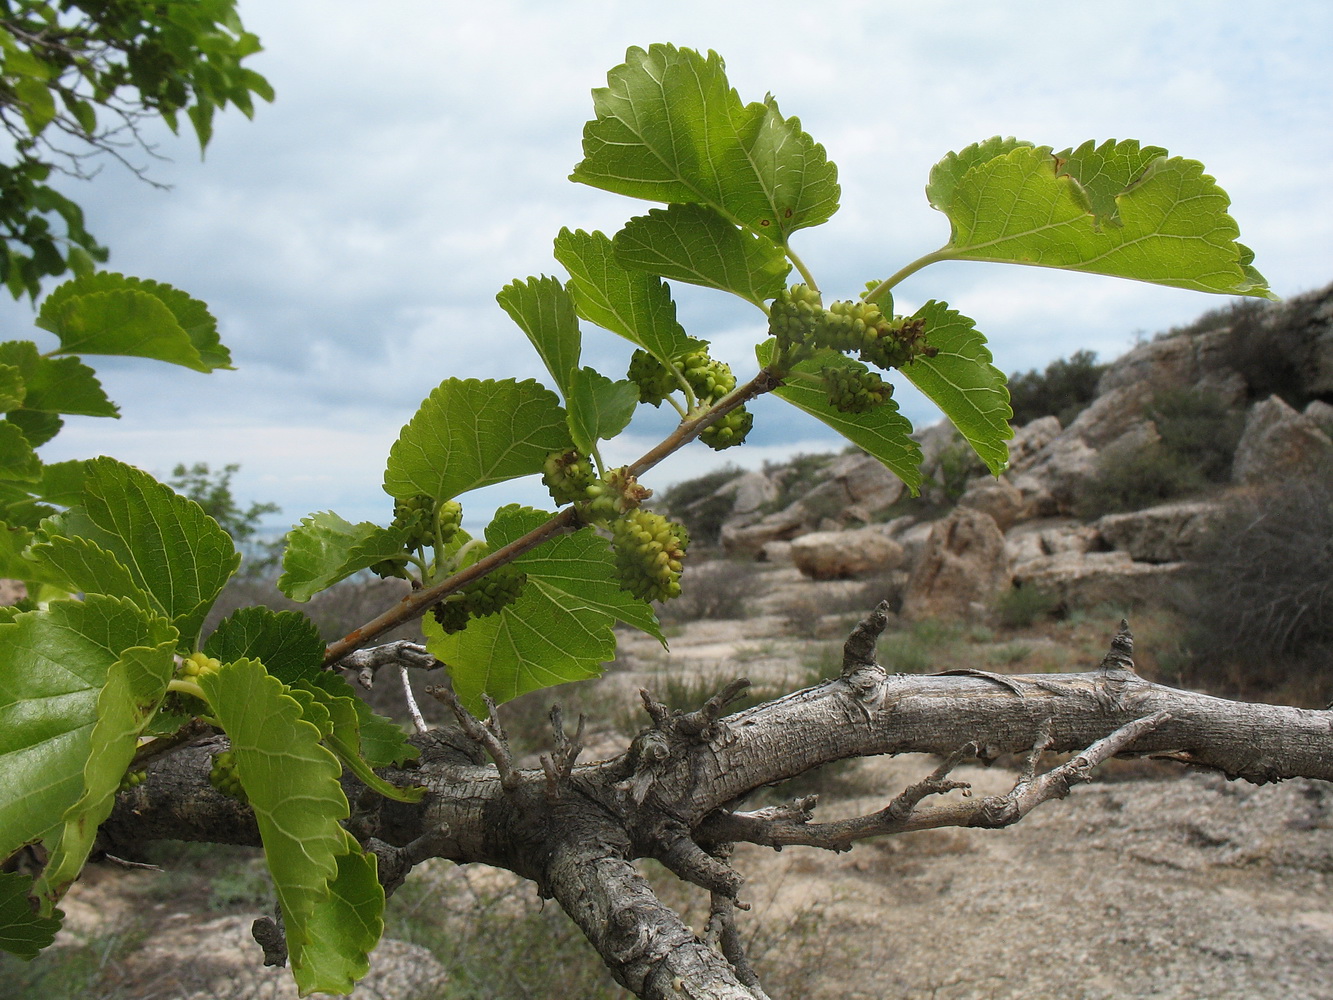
x: 729, y: 431
x: 655, y: 380
x: 451, y: 615
x: 650, y: 554
x: 417, y: 515
x: 495, y: 590
x: 853, y: 391
x: 487, y: 596
x: 791, y: 319
x: 132, y: 779
x: 898, y: 344
x: 222, y: 776
x: 611, y: 497
x: 448, y: 521
x: 710, y: 380
x: 567, y: 475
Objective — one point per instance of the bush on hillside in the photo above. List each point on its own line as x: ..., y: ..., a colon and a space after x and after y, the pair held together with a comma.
x: 1262, y: 595
x: 1063, y: 390
x: 1197, y: 434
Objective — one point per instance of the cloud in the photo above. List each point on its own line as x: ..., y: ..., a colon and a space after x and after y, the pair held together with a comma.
x: 351, y: 238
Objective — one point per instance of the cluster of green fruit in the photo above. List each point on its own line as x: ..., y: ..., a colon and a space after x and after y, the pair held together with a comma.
x: 649, y: 549
x: 197, y: 664
x: 801, y: 326
x: 650, y: 553
x: 222, y: 776
x: 708, y: 380
x: 486, y: 596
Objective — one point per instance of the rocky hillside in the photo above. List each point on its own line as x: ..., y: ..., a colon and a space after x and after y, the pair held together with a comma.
x: 1101, y: 510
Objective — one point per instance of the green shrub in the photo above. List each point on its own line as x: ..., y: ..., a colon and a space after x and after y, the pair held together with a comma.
x: 1063, y: 390
x: 796, y: 477
x: 1198, y: 434
x: 1131, y: 478
x: 1020, y: 607
x: 1197, y: 428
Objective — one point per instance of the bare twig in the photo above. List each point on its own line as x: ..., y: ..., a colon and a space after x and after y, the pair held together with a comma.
x: 490, y: 734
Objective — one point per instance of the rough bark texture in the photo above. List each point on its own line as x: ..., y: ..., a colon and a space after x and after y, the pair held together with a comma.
x: 673, y: 795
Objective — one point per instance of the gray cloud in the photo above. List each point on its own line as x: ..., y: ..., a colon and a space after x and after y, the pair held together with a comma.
x: 351, y: 239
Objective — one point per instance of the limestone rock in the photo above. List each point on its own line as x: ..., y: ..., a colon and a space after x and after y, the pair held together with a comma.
x: 1181, y: 361
x: 1086, y: 579
x: 1278, y: 442
x: 963, y: 567
x: 997, y: 497
x: 1168, y: 533
x: 11, y: 592
x: 1322, y: 414
x: 1030, y: 439
x: 1047, y: 537
x: 836, y: 555
x: 748, y: 540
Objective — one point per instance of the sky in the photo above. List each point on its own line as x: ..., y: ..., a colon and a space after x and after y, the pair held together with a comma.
x: 351, y: 238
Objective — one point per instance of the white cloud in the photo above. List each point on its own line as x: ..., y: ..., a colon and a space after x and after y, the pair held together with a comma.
x: 351, y: 239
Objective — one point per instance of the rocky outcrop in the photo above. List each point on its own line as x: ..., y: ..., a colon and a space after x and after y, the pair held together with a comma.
x: 1278, y: 441
x: 962, y: 568
x: 1170, y: 533
x: 840, y: 555
x: 1087, y: 579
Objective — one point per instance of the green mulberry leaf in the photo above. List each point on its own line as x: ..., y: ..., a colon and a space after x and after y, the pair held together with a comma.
x: 561, y: 627
x: 173, y: 551
x: 23, y: 932
x: 287, y: 642
x: 56, y: 385
x: 17, y: 459
x: 694, y: 243
x: 545, y: 312
x: 470, y: 433
x: 107, y: 313
x: 291, y: 781
x: 882, y: 432
x: 599, y: 408
x: 625, y: 300
x: 324, y: 549
x: 12, y: 389
x: 344, y: 736
x: 670, y: 128
x: 1117, y: 209
x: 135, y: 685
x: 54, y: 665
x: 963, y: 383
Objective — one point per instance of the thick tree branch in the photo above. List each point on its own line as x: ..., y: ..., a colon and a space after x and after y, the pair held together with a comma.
x: 575, y: 829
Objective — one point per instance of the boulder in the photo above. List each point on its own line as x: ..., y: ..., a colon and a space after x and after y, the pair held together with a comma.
x: 1048, y: 537
x: 997, y: 497
x: 11, y: 592
x: 962, y: 568
x: 1110, y: 415
x: 1322, y: 414
x: 838, y: 555
x: 869, y: 486
x: 1030, y: 439
x: 1086, y: 579
x: 1180, y: 361
x: 748, y: 540
x: 749, y: 492
x: 1279, y: 442
x: 1168, y: 533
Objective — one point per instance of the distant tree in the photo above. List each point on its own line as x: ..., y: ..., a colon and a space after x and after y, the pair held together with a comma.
x: 79, y: 80
x: 211, y: 490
